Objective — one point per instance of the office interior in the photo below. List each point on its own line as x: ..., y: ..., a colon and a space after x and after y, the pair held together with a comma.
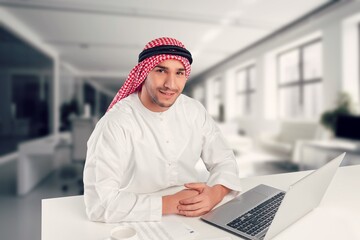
x: 285, y: 93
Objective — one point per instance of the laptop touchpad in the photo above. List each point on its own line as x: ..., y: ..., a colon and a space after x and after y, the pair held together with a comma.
x: 251, y: 198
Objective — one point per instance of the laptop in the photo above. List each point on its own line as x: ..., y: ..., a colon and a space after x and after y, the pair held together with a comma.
x: 265, y: 211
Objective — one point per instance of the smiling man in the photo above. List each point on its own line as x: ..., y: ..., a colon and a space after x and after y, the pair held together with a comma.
x: 150, y: 139
x: 163, y: 85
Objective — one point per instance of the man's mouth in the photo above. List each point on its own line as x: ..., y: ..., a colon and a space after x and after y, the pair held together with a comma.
x: 167, y: 93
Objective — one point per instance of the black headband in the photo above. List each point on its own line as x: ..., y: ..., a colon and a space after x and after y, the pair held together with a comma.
x: 165, y: 49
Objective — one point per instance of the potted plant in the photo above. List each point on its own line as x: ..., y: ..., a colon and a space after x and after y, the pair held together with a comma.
x: 344, y: 107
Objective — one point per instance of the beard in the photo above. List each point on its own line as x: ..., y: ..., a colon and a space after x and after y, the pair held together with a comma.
x: 156, y: 98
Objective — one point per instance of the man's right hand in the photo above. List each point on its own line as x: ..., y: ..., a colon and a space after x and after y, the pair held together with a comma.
x: 170, y: 202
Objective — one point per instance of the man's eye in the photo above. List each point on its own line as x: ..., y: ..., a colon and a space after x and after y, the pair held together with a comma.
x: 180, y: 73
x: 160, y: 70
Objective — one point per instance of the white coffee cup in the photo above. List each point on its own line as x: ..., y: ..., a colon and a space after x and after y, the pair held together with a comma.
x: 123, y: 233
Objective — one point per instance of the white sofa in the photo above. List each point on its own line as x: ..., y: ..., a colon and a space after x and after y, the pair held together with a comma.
x: 284, y: 143
x: 237, y: 141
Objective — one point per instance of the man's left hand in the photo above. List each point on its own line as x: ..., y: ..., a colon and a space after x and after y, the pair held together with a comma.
x: 208, y: 198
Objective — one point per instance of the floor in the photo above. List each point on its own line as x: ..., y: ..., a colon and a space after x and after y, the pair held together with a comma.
x: 259, y: 163
x: 20, y: 217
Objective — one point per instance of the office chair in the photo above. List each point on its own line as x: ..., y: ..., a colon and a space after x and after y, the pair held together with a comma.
x: 81, y: 130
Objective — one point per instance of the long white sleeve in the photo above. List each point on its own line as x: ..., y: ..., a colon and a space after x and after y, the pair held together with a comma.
x: 107, y: 174
x: 218, y: 157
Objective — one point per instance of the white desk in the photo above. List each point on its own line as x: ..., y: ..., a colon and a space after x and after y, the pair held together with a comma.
x: 316, y: 153
x: 338, y: 217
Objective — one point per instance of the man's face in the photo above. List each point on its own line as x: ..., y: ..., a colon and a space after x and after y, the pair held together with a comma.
x: 163, y: 85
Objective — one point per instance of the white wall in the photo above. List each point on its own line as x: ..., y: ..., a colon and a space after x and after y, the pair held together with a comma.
x: 330, y: 26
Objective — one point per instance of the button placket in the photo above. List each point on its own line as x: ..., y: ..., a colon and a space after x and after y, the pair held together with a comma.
x: 166, y: 130
x: 170, y: 158
x: 171, y: 173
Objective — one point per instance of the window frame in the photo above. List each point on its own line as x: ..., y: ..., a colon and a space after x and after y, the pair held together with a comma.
x: 248, y: 91
x: 301, y: 83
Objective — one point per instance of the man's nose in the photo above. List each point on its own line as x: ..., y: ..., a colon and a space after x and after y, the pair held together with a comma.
x: 170, y: 81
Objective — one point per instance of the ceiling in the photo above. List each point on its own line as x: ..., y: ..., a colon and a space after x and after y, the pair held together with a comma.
x: 102, y: 39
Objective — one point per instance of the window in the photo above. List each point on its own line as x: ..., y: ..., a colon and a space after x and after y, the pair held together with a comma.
x: 300, y: 81
x: 218, y: 105
x: 199, y: 94
x: 245, y: 89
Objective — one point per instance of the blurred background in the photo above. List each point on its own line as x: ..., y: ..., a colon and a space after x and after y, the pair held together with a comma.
x: 280, y: 77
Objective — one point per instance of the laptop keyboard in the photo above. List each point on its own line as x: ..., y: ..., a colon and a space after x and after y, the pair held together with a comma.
x: 258, y: 218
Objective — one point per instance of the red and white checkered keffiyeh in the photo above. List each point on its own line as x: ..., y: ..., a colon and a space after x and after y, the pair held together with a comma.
x: 139, y: 73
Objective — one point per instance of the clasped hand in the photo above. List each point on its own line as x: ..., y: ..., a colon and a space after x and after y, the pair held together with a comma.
x: 194, y: 201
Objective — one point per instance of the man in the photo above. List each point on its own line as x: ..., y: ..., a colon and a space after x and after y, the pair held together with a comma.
x: 150, y: 139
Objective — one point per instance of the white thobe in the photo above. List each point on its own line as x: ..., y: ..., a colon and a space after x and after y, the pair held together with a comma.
x: 133, y: 152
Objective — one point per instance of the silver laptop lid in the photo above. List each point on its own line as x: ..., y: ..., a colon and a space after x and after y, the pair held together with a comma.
x: 303, y: 196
